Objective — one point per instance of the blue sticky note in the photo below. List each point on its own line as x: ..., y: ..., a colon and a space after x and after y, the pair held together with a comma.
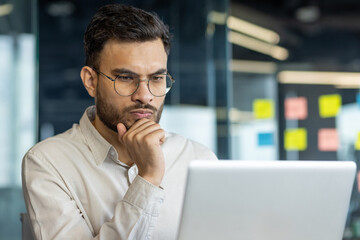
x: 358, y: 99
x: 265, y: 139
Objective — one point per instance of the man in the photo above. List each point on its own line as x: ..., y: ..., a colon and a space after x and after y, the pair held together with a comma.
x: 117, y: 174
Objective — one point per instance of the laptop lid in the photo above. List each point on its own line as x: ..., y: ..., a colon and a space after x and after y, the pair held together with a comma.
x: 272, y: 200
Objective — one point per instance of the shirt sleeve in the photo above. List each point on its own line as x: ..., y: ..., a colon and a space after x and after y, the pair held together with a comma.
x: 55, y: 214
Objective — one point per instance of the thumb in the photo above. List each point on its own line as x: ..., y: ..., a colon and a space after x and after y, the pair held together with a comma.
x: 121, y: 130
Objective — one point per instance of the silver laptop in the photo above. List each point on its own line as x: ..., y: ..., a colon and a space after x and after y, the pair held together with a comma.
x: 272, y: 200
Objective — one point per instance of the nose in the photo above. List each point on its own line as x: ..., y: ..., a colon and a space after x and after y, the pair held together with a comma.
x: 143, y: 93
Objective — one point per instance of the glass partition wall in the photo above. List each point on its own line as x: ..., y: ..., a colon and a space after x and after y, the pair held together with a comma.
x: 295, y: 68
x: 18, y: 81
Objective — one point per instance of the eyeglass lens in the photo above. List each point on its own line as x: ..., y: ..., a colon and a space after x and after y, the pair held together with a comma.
x: 158, y: 85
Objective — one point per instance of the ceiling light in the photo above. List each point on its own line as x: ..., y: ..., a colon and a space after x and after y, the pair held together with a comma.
x: 253, y: 30
x: 308, y: 14
x: 274, y: 51
x: 61, y: 9
x: 338, y: 79
x: 347, y: 86
x: 253, y: 66
x: 6, y: 9
x: 217, y: 17
x: 244, y: 27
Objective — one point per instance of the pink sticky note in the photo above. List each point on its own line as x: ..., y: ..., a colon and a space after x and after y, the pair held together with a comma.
x: 296, y: 108
x: 328, y: 139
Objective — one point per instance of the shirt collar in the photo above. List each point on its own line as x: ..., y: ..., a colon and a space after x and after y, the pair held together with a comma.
x: 98, y: 145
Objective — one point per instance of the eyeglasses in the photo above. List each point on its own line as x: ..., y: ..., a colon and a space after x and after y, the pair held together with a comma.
x: 127, y: 84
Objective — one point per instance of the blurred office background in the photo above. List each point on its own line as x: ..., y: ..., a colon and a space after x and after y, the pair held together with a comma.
x: 255, y: 80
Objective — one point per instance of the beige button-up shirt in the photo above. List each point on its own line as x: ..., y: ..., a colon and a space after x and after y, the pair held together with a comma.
x: 75, y: 187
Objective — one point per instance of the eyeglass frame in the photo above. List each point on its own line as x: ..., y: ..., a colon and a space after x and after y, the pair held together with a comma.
x: 138, y: 83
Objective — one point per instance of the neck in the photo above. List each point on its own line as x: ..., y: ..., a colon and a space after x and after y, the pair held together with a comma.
x: 112, y: 138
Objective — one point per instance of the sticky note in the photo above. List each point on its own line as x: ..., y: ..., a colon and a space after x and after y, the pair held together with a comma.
x: 265, y: 139
x: 296, y: 108
x: 329, y: 105
x: 295, y: 139
x: 358, y: 99
x: 328, y: 139
x: 357, y: 144
x: 263, y: 108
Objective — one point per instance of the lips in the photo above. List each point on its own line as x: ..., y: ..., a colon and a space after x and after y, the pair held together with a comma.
x: 141, y: 113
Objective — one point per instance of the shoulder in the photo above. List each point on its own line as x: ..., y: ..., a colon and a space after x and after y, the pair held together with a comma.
x: 57, y: 146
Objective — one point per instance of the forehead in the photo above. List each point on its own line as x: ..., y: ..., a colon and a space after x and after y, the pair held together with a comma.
x: 138, y: 56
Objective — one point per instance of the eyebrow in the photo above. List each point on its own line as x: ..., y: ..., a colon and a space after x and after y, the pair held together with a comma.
x: 160, y: 71
x: 118, y: 71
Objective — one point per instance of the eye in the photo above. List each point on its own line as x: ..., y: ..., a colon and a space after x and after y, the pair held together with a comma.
x: 158, y: 78
x: 125, y: 78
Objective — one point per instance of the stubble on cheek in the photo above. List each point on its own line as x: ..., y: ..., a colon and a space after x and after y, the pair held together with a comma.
x: 111, y: 115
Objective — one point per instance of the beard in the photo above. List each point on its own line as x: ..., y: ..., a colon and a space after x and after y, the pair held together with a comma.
x: 111, y: 116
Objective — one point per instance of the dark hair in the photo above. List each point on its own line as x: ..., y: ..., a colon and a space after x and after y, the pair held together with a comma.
x: 123, y: 23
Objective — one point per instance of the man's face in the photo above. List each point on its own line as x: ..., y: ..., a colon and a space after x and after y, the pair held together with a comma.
x: 141, y: 58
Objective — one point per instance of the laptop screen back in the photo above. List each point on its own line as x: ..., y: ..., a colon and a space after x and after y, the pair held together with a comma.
x: 274, y: 200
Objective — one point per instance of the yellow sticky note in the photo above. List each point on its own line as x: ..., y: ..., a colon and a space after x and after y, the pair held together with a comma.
x: 329, y: 105
x: 295, y: 139
x: 357, y: 144
x: 263, y: 108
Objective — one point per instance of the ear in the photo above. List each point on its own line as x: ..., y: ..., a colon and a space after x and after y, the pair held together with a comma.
x: 89, y: 79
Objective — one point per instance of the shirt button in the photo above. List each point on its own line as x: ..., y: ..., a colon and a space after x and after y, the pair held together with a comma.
x: 112, y: 153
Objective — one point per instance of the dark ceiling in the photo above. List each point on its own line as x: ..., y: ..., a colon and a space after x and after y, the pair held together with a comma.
x: 326, y: 31
x: 287, y: 8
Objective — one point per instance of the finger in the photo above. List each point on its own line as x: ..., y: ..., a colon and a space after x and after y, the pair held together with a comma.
x: 141, y: 127
x: 125, y: 132
x: 149, y: 133
x: 139, y: 122
x: 153, y: 131
x: 121, y: 130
